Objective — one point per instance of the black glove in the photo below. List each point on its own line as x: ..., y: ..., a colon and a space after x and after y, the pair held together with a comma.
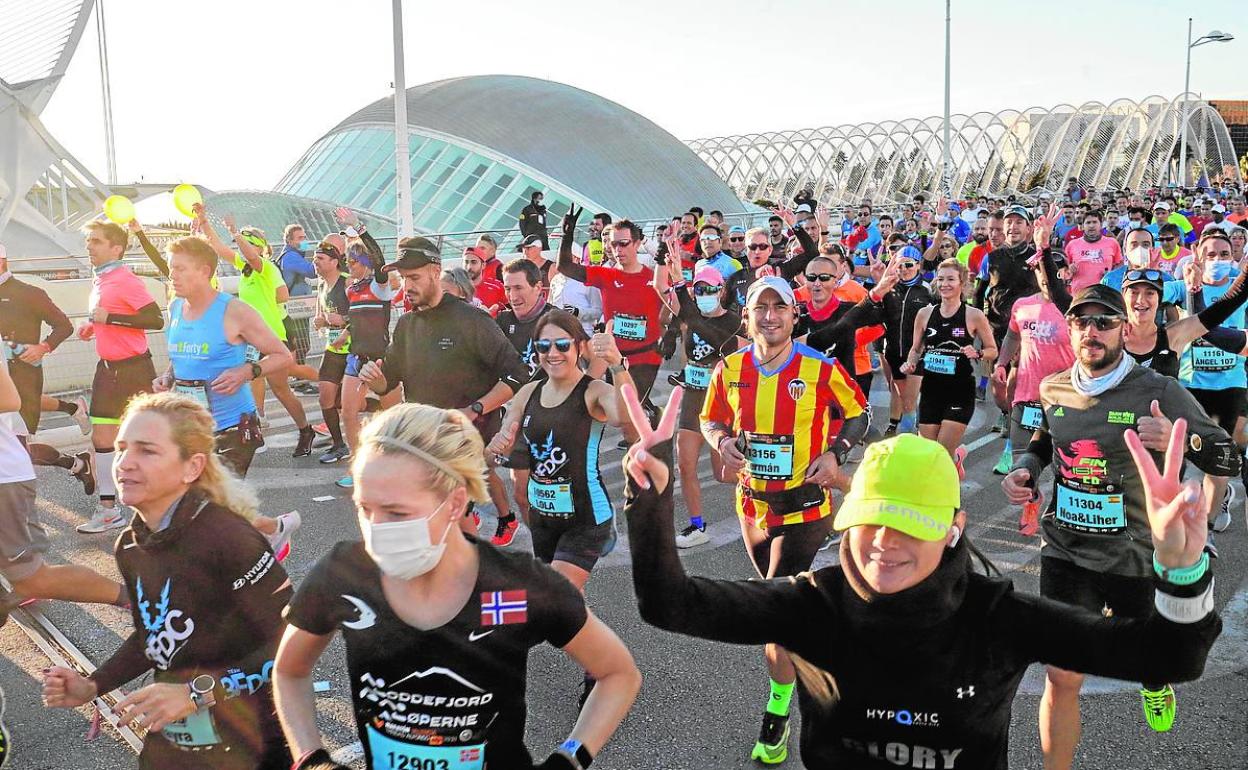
x: 569, y: 222
x: 319, y: 760
x: 667, y: 343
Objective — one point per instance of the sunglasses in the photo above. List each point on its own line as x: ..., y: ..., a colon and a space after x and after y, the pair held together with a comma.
x: 896, y: 247
x: 1101, y: 321
x: 563, y: 345
x: 708, y: 237
x: 759, y: 246
x: 705, y: 290
x: 737, y: 240
x: 1167, y: 238
x: 821, y: 277
x: 1147, y: 275
x: 906, y: 264
x: 621, y: 244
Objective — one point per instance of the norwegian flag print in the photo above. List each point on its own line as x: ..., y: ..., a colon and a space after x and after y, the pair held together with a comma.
x: 501, y: 608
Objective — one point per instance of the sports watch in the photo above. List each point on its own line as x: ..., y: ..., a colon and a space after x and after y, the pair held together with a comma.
x: 202, y: 688
x: 575, y: 753
x: 256, y: 371
x: 477, y: 407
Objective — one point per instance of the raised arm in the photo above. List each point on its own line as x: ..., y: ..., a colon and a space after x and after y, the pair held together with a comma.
x: 149, y: 249
x: 567, y: 263
x: 1184, y: 331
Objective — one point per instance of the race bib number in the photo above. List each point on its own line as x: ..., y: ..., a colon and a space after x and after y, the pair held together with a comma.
x: 1090, y: 512
x: 334, y: 337
x: 687, y: 273
x: 939, y: 363
x: 252, y: 355
x: 629, y: 327
x: 389, y: 754
x: 552, y: 498
x: 197, y: 393
x: 194, y: 732
x: 1032, y: 416
x: 1206, y: 358
x: 769, y: 456
x: 697, y: 376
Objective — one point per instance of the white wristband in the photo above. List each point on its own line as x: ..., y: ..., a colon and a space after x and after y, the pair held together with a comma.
x: 1185, y: 610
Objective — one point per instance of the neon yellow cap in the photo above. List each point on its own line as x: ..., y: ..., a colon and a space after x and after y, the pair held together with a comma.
x: 906, y: 483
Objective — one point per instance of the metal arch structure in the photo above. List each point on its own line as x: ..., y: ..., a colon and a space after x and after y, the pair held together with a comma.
x: 1123, y: 144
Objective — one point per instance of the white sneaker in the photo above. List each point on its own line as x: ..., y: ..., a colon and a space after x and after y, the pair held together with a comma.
x: 691, y: 536
x: 1222, y: 522
x: 261, y: 449
x: 103, y: 520
x: 82, y: 416
x: 279, y: 541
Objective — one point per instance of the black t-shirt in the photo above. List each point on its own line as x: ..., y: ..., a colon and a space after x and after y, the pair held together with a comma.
x: 453, y: 693
x: 520, y: 334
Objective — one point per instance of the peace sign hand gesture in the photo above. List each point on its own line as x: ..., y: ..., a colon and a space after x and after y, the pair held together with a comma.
x: 1043, y: 231
x: 569, y: 221
x: 639, y: 462
x: 1175, y: 509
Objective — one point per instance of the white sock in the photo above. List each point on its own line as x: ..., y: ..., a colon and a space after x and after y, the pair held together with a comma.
x: 104, y: 473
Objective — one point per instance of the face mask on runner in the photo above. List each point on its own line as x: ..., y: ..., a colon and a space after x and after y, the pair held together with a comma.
x: 1218, y: 271
x: 403, y: 549
x: 1140, y: 256
x: 707, y: 304
x: 305, y: 245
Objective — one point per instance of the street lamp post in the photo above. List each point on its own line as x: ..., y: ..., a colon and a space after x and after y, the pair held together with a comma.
x: 946, y: 165
x: 1215, y: 36
x: 402, y: 160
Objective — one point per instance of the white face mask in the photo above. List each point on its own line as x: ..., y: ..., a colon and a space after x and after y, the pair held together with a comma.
x: 403, y: 549
x: 1140, y: 256
x: 707, y: 305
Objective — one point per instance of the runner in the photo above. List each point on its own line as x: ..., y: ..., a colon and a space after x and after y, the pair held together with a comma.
x: 23, y: 538
x: 531, y: 249
x: 1096, y: 528
x: 904, y: 625
x: 121, y: 313
x: 833, y: 293
x: 208, y: 336
x: 332, y: 317
x: 713, y: 255
x: 206, y: 598
x: 436, y: 619
x: 710, y: 333
x: 760, y: 256
x: 901, y: 307
x: 783, y: 418
x: 260, y: 285
x: 944, y: 345
x: 488, y: 290
x: 448, y: 354
x: 1091, y: 256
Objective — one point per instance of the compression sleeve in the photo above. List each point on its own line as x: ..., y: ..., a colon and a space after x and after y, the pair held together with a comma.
x: 376, y: 257
x: 1230, y: 340
x: 1059, y: 290
x: 797, y: 264
x: 568, y: 265
x: 149, y: 317
x: 1208, y: 446
x: 1152, y: 649
x: 1227, y: 304
x: 153, y: 253
x: 126, y: 664
x: 865, y: 313
x: 1038, y: 455
x: 736, y: 611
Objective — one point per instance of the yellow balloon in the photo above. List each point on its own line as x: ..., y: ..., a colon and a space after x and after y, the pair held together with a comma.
x: 119, y: 209
x: 185, y: 196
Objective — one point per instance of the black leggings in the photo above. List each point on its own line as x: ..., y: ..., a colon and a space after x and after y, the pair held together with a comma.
x: 794, y: 546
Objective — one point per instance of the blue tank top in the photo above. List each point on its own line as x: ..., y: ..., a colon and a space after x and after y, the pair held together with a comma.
x: 200, y: 352
x: 1207, y: 367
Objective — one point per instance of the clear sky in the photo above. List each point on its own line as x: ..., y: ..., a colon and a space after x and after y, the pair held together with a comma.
x: 228, y: 94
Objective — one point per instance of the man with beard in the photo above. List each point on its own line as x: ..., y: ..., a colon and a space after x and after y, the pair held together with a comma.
x: 779, y: 241
x: 593, y: 252
x: 1093, y: 255
x: 1096, y: 527
x: 972, y: 252
x: 488, y: 290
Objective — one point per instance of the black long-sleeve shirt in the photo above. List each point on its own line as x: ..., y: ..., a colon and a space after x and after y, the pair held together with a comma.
x: 24, y: 309
x: 206, y: 597
x: 836, y: 334
x: 927, y: 674
x: 737, y: 284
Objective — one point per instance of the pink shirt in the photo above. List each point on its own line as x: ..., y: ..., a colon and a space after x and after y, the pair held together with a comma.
x: 1091, y: 261
x: 118, y: 290
x: 1044, y: 344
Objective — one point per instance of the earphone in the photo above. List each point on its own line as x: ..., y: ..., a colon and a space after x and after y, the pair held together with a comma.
x: 957, y: 535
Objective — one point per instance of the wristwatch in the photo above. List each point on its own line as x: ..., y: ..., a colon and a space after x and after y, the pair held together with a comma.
x: 202, y: 688
x: 256, y: 371
x: 622, y: 366
x: 478, y: 407
x: 576, y: 753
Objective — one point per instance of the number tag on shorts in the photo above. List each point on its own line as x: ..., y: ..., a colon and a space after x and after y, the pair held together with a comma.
x: 769, y: 455
x: 939, y: 363
x: 389, y: 754
x: 194, y: 732
x: 252, y: 355
x: 553, y: 498
x: 1032, y: 416
x: 1090, y: 512
x: 1206, y: 358
x: 629, y: 327
x: 697, y: 376
x: 197, y: 393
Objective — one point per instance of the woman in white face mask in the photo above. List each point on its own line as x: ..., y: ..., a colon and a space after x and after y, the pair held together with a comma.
x: 437, y: 624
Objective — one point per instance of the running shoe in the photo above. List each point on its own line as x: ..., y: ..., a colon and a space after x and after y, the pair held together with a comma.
x: 772, y: 746
x: 321, y: 429
x: 264, y: 422
x: 279, y: 541
x: 691, y: 536
x: 1002, y: 425
x: 304, y: 447
x: 1005, y: 462
x: 1159, y: 708
x: 82, y: 416
x: 335, y: 453
x: 305, y: 388
x: 981, y: 391
x: 6, y: 740
x: 262, y: 448
x: 890, y: 431
x: 959, y: 456
x: 875, y: 360
x: 85, y: 473
x: 102, y: 520
x: 1211, y: 547
x: 832, y: 540
x: 346, y: 482
x: 506, y: 531
x: 1222, y: 522
x: 1029, y: 522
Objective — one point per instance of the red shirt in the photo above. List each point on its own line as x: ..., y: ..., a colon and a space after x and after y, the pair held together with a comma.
x: 976, y: 257
x: 490, y: 293
x: 631, y: 306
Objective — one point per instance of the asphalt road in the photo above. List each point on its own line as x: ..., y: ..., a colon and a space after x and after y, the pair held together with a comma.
x: 701, y: 702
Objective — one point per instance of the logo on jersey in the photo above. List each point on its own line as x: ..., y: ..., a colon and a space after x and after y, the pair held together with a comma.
x: 367, y: 617
x: 701, y: 348
x: 797, y: 388
x: 548, y: 457
x: 1085, y: 463
x: 529, y: 357
x: 504, y: 608
x: 165, y: 634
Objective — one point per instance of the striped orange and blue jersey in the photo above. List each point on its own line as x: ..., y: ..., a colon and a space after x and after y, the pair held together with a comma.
x: 789, y: 415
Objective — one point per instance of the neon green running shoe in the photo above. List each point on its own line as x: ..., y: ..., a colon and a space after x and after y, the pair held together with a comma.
x: 772, y: 746
x: 1005, y: 463
x: 1159, y: 707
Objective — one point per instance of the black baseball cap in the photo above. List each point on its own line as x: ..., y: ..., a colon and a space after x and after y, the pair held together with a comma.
x: 1099, y: 294
x: 414, y: 253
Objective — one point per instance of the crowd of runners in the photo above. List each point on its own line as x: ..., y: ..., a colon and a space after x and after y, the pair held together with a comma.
x: 1105, y: 331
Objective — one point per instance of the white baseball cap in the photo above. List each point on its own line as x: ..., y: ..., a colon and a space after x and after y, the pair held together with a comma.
x: 776, y: 284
